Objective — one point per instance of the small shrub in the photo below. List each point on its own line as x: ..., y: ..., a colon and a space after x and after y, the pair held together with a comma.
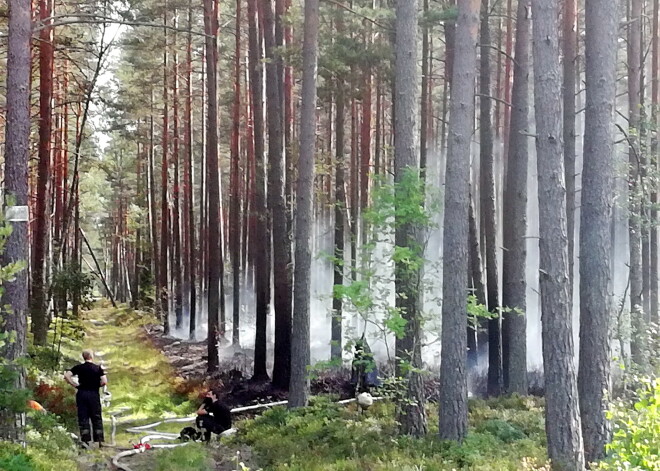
x: 13, y: 458
x: 502, y: 430
x: 636, y: 432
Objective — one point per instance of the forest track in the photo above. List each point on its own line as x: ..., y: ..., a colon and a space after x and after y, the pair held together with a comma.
x: 141, y: 378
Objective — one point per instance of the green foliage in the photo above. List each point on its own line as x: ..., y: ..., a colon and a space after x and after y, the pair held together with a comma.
x: 636, y: 431
x: 11, y: 398
x: 71, y: 279
x: 330, y: 437
x: 50, y: 448
x: 501, y: 429
x: 394, y: 205
x: 192, y: 456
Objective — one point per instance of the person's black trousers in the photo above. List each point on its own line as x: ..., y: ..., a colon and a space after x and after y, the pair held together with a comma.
x: 209, y: 425
x: 89, y: 410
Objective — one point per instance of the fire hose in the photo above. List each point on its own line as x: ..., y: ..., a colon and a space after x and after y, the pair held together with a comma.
x: 144, y: 444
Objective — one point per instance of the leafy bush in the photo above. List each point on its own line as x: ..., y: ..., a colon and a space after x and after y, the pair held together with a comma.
x: 636, y: 432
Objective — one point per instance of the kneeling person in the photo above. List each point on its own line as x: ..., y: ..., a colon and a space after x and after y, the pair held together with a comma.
x: 213, y: 416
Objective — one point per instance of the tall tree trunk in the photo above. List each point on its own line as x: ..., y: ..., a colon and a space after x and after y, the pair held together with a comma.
x: 424, y: 108
x: 407, y: 279
x: 188, y: 185
x: 262, y: 242
x: 235, y: 209
x: 655, y: 102
x: 300, y: 349
x: 488, y: 209
x: 340, y: 223
x: 177, y: 255
x: 365, y: 140
x: 569, y: 44
x: 635, y: 189
x: 453, y: 387
x: 508, y: 89
x: 38, y: 309
x: 163, y: 283
x: 215, y: 264
x: 562, y: 409
x: 595, y: 213
x: 514, y: 262
x: 152, y: 201
x: 17, y: 141
x: 277, y: 205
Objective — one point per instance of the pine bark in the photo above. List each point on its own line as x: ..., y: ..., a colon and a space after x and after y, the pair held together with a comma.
x: 177, y: 253
x: 38, y: 309
x: 655, y: 102
x: 595, y: 214
x: 17, y: 141
x: 514, y: 260
x: 569, y: 45
x: 453, y: 387
x: 188, y: 186
x: 637, y: 346
x: 300, y: 338
x: 278, y: 209
x: 235, y: 209
x: 163, y: 283
x: 215, y: 262
x: 262, y: 235
x: 488, y: 208
x: 340, y: 223
x: 562, y: 409
x: 408, y: 280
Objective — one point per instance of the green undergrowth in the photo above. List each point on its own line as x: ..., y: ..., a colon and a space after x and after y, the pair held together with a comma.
x: 636, y: 431
x: 505, y: 434
x: 49, y: 447
x: 193, y: 457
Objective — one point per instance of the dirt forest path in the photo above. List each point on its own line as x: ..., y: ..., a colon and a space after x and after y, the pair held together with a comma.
x: 141, y: 379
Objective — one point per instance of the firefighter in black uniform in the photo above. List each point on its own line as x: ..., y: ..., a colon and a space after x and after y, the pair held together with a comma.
x: 91, y: 377
x: 213, y: 416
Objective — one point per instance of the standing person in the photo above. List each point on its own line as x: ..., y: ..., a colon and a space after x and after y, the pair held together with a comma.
x: 91, y: 377
x: 213, y: 416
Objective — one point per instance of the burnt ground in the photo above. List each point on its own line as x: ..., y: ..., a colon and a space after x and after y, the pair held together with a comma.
x: 234, y: 378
